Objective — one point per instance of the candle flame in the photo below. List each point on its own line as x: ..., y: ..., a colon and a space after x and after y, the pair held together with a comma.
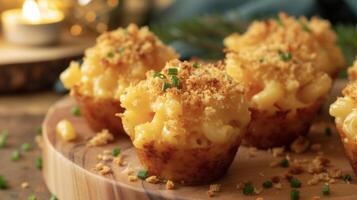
x: 31, y: 11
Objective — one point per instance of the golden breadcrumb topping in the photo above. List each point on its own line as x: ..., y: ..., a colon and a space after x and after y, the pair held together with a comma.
x: 284, y: 63
x: 119, y: 58
x: 351, y: 90
x: 186, y: 104
x: 306, y: 40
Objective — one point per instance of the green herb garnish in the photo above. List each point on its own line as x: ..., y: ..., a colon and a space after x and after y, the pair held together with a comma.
x: 326, y: 189
x: 15, y: 156
x: 3, y: 183
x: 38, y: 130
x: 38, y: 163
x: 121, y: 50
x: 26, y: 147
x: 142, y: 174
x: 116, y: 152
x: 32, y: 197
x: 328, y: 131
x: 165, y: 86
x: 76, y: 111
x: 284, y: 162
x: 160, y: 75
x: 347, y: 178
x: 295, y: 194
x: 110, y: 54
x: 3, y: 138
x: 248, y: 189
x: 172, y: 71
x: 196, y: 65
x: 175, y: 81
x: 295, y: 183
x: 53, y: 197
x: 267, y: 184
x: 285, y: 56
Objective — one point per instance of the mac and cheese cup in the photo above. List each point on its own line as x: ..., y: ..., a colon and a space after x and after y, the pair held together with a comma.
x: 344, y: 109
x: 186, y: 122
x: 119, y: 58
x: 286, y: 66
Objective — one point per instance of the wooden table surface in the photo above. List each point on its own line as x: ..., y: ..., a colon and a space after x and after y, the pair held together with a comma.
x: 21, y: 114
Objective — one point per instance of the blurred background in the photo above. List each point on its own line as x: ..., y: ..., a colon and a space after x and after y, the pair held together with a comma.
x: 35, y: 50
x: 193, y: 28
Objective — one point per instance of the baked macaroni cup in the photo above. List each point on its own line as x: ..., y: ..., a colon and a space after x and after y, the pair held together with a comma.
x: 286, y: 66
x: 344, y: 109
x: 119, y: 58
x: 352, y: 71
x: 186, y: 122
x: 315, y: 37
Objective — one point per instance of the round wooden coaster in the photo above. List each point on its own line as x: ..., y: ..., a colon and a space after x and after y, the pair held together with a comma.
x: 68, y: 168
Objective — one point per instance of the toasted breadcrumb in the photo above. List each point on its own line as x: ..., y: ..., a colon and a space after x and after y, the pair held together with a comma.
x: 24, y: 185
x: 252, y: 152
x: 278, y: 151
x: 102, y: 169
x: 101, y: 138
x: 120, y: 161
x: 152, y: 179
x: 169, y: 185
x: 128, y: 170
x: 278, y: 186
x: 259, y: 198
x: 132, y: 178
x: 214, y: 189
x: 318, y: 164
x: 300, y: 145
x: 297, y: 169
x: 315, y: 198
x: 335, y: 172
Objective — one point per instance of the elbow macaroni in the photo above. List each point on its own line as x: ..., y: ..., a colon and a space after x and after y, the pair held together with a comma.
x: 345, y: 113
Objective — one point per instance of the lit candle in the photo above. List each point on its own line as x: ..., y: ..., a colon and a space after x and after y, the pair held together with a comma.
x: 32, y: 25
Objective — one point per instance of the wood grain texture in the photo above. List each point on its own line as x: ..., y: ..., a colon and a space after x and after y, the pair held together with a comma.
x: 68, y: 168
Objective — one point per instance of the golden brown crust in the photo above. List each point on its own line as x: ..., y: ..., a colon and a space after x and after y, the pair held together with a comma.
x: 100, y: 113
x: 351, y: 90
x: 267, y: 131
x: 190, y: 166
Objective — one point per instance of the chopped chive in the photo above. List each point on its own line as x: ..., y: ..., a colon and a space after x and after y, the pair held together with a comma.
x: 328, y: 131
x: 295, y: 194
x: 347, y: 178
x: 38, y: 163
x: 165, y: 86
x: 295, y: 183
x: 142, y: 174
x: 32, y: 197
x: 175, y: 81
x: 326, y: 189
x: 267, y: 184
x: 196, y: 65
x: 285, y: 56
x: 116, y: 152
x: 160, y: 75
x: 53, y: 197
x: 110, y: 54
x: 15, y: 156
x: 26, y: 147
x: 3, y: 183
x: 38, y: 130
x: 261, y: 60
x: 248, y: 189
x: 284, y: 162
x: 76, y: 111
x: 172, y: 71
x: 3, y: 138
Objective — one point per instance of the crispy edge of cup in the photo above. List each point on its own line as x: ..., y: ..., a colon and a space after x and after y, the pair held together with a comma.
x: 350, y: 148
x: 278, y: 130
x: 193, y: 166
x: 100, y: 113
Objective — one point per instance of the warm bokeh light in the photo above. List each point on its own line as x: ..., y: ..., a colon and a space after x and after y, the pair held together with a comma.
x: 76, y: 30
x: 31, y: 11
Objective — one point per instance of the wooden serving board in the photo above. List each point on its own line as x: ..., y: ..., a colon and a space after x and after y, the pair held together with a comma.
x: 68, y: 168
